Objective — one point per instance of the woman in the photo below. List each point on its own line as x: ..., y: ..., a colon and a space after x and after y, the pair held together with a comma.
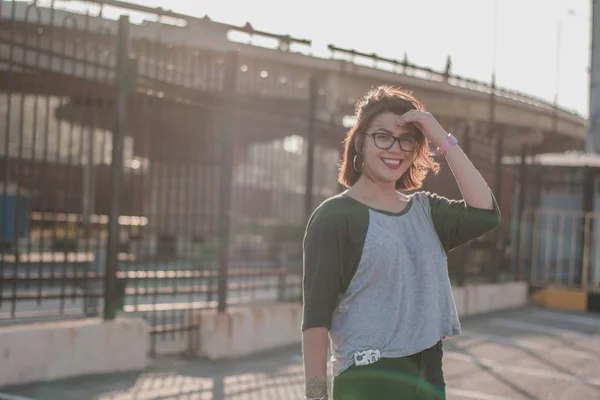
x: 375, y: 271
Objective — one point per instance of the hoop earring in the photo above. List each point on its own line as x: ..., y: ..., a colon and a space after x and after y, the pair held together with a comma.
x: 354, y: 164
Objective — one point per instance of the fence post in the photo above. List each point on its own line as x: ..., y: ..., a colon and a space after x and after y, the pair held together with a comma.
x: 492, y: 131
x: 227, y: 138
x: 523, y: 169
x: 499, y: 235
x: 462, y: 265
x: 111, y: 300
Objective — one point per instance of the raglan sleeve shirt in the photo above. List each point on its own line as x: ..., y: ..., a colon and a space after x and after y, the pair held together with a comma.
x: 335, y: 236
x: 457, y: 223
x: 324, y: 256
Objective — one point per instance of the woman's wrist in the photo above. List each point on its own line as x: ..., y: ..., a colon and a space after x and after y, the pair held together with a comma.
x: 438, y: 138
x: 316, y: 388
x: 447, y: 144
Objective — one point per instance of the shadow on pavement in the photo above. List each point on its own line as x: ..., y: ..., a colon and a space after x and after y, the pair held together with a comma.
x: 273, y: 375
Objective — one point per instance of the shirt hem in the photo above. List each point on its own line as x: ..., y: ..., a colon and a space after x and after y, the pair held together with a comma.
x: 396, y: 353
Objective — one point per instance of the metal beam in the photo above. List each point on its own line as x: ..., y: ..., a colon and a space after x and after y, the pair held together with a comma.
x: 116, y: 169
x: 159, y: 11
x: 226, y: 143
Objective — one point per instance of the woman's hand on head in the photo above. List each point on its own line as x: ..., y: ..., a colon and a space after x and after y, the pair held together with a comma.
x: 427, y: 124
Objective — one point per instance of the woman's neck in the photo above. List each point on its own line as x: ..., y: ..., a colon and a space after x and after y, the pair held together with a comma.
x: 367, y: 188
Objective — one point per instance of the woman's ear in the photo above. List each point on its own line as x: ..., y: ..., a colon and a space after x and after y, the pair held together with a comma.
x: 357, y: 144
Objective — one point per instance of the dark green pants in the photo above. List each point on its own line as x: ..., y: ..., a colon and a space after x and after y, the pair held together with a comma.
x: 415, y: 377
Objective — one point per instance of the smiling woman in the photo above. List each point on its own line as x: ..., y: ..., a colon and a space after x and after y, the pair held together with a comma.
x: 375, y: 272
x: 376, y: 117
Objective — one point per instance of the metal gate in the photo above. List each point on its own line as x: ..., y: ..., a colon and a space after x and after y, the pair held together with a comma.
x: 560, y: 248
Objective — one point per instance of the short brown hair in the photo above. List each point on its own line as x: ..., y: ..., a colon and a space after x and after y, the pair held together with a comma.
x: 377, y: 101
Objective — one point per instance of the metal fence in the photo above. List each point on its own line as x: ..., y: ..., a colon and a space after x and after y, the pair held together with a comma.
x: 556, y: 224
x: 154, y: 178
x: 560, y: 248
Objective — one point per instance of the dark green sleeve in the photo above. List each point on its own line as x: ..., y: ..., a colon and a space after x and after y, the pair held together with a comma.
x: 323, y: 260
x: 457, y: 223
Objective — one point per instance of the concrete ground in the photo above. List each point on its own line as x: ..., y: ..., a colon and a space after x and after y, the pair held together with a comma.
x: 529, y: 353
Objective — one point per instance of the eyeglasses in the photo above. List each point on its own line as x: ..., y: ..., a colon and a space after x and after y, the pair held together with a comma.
x: 385, y: 141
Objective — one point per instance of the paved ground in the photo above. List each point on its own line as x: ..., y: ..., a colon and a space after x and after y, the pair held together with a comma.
x: 523, y: 354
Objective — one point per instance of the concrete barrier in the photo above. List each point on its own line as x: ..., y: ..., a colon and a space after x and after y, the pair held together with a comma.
x: 476, y: 299
x: 56, y: 350
x: 242, y: 331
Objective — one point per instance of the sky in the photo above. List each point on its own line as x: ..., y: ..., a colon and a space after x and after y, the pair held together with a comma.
x: 540, y: 47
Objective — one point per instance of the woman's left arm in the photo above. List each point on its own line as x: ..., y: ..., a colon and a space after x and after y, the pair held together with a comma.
x: 473, y: 187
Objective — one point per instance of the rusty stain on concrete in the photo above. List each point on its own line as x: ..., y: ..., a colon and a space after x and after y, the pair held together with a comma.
x: 72, y: 335
x: 229, y: 326
x: 258, y: 314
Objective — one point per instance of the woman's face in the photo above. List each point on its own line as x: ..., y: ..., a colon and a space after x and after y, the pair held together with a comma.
x: 385, y: 158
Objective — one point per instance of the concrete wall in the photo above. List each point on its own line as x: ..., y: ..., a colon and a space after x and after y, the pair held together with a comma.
x: 486, y: 297
x: 56, y: 350
x: 242, y: 331
x: 247, y: 330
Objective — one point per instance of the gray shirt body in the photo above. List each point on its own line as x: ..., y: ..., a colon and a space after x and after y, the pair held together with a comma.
x: 379, y: 280
x: 400, y: 300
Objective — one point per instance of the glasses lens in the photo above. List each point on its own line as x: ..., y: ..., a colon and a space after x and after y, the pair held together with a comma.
x: 408, y: 143
x: 383, y: 140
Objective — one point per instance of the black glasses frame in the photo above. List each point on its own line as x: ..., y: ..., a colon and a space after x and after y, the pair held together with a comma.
x: 403, y: 138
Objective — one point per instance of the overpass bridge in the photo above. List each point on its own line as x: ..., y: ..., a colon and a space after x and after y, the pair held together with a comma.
x: 189, y: 55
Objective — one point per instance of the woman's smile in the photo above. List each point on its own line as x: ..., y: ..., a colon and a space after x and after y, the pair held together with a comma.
x: 392, y: 163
